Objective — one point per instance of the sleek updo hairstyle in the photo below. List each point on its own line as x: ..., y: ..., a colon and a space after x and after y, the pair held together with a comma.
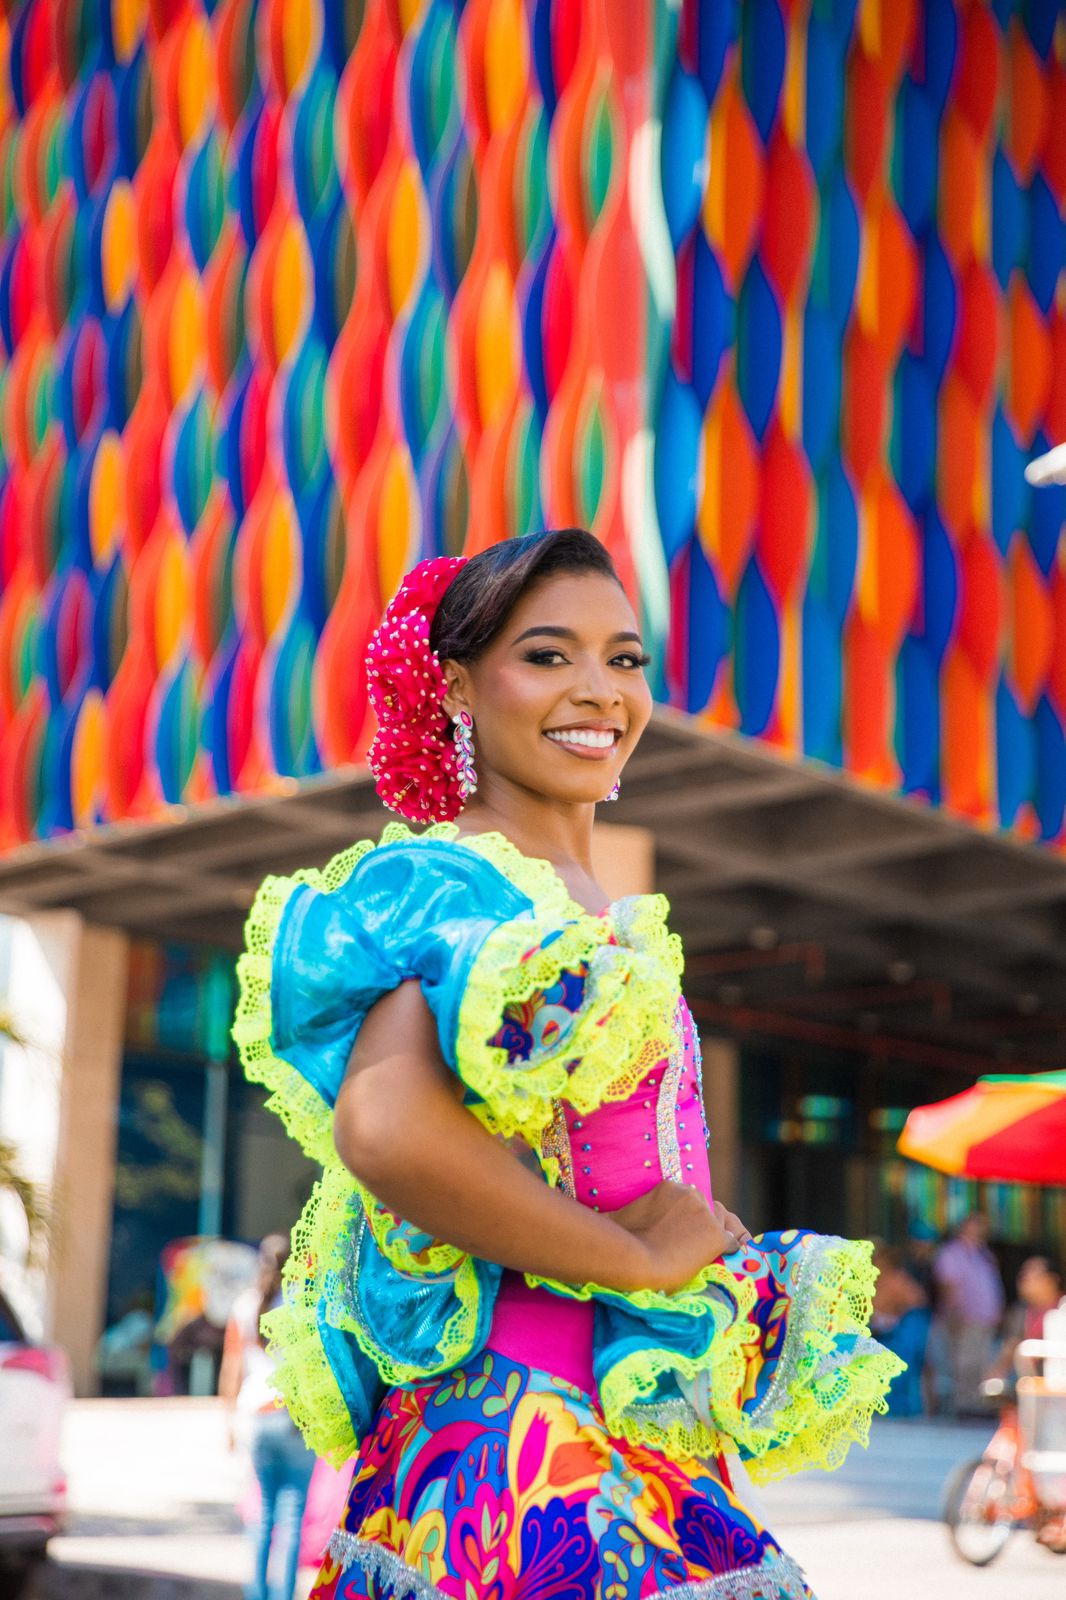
x: 476, y: 605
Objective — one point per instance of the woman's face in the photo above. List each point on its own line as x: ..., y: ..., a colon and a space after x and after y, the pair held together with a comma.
x: 1038, y: 1285
x: 559, y: 699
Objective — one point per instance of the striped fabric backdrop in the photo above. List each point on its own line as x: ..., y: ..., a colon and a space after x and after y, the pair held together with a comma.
x: 292, y: 293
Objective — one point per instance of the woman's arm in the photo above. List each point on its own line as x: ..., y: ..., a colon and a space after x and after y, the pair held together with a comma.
x: 230, y: 1374
x: 401, y: 1128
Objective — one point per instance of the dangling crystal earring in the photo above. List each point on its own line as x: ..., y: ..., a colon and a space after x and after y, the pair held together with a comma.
x: 614, y: 792
x: 464, y: 753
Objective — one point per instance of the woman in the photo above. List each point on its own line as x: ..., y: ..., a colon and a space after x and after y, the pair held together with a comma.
x: 283, y: 1464
x: 1039, y: 1290
x: 512, y: 1289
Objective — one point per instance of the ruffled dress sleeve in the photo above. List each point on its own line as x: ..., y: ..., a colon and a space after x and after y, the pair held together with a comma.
x: 766, y: 1354
x: 368, y: 1300
x: 538, y: 1005
x: 323, y: 947
x: 532, y: 999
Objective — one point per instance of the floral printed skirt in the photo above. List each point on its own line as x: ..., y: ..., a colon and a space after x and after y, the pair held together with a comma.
x: 500, y: 1482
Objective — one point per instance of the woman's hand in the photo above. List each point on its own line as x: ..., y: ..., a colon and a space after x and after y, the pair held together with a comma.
x: 677, y: 1233
x: 732, y: 1224
x: 401, y: 1127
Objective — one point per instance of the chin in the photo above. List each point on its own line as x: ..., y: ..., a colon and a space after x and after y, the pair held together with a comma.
x: 572, y: 794
x: 593, y: 796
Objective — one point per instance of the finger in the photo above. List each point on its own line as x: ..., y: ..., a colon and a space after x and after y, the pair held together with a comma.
x: 734, y: 1224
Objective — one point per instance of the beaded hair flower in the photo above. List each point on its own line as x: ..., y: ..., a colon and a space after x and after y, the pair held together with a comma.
x: 413, y: 756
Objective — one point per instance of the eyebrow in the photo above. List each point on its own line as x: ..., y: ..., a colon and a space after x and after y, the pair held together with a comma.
x: 568, y: 633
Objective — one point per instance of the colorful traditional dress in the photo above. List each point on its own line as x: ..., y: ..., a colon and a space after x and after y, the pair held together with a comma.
x: 515, y: 1437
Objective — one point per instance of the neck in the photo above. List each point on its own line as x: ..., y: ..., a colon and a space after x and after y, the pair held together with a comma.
x: 556, y: 830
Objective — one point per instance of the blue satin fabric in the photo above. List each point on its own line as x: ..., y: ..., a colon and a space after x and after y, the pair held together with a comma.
x: 419, y: 910
x: 422, y: 911
x: 407, y: 1315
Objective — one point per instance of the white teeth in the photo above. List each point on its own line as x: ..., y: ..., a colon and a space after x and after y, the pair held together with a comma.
x: 594, y: 740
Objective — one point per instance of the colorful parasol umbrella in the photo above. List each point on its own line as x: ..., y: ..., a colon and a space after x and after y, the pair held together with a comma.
x: 1006, y: 1129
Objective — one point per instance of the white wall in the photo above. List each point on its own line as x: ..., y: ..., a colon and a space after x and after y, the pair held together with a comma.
x: 33, y: 981
x: 66, y: 988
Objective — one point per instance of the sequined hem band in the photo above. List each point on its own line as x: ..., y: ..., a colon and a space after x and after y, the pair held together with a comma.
x: 347, y: 1550
x: 777, y: 1577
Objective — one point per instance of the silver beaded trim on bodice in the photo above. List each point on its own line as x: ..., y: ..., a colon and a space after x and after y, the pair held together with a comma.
x: 669, y: 1139
x: 556, y: 1142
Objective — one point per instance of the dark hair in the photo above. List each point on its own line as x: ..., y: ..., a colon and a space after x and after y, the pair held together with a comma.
x: 273, y: 1254
x: 477, y: 603
x: 1046, y: 1261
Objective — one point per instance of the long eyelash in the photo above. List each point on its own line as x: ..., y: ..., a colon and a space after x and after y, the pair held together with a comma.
x: 643, y: 660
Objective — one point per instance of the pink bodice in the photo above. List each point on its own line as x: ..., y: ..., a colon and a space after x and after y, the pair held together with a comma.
x: 607, y: 1158
x: 613, y: 1155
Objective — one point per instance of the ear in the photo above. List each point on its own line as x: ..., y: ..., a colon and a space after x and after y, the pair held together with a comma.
x: 458, y: 695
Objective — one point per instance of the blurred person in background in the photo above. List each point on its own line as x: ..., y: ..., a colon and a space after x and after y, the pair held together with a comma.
x: 900, y: 1320
x: 919, y: 1253
x: 283, y: 1464
x: 1039, y: 1290
x: 970, y: 1304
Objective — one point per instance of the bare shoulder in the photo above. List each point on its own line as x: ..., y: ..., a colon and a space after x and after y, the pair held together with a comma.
x: 400, y: 1019
x: 400, y: 1036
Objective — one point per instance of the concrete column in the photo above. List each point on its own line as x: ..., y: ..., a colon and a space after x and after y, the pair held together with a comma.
x: 60, y: 1101
x: 623, y: 859
x: 721, y: 1099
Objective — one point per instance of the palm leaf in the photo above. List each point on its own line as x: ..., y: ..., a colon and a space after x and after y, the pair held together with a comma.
x: 30, y: 1195
x: 10, y: 1030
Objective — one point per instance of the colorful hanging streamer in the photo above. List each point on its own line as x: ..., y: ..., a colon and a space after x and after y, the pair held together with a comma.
x: 291, y: 295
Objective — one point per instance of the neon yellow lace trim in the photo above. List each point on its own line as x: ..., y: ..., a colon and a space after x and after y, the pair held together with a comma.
x: 826, y: 1405
x: 456, y: 1342
x: 302, y: 1373
x: 811, y: 1417
x: 631, y: 986
x: 317, y: 1284
x: 385, y: 1227
x: 620, y: 1033
x: 631, y: 981
x: 301, y: 1108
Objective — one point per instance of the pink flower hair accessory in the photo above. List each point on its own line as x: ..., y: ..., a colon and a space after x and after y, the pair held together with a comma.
x: 413, y: 756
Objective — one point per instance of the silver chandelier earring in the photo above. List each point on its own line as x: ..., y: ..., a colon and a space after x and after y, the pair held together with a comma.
x: 463, y: 735
x: 614, y: 792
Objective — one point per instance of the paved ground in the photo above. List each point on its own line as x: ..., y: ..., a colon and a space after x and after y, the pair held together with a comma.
x: 872, y: 1531
x: 154, y: 1490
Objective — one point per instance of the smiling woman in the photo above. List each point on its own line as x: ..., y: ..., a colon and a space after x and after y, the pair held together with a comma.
x: 513, y: 1293
x: 565, y: 669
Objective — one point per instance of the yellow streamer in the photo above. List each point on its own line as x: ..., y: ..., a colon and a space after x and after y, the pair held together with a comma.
x: 497, y: 339
x: 171, y: 599
x: 107, y: 498
x: 506, y: 63
x: 405, y: 237
x: 118, y: 253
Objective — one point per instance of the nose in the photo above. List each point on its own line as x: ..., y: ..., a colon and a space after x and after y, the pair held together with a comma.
x: 599, y: 686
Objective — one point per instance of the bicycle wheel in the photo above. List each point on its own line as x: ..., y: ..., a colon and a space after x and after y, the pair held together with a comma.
x: 978, y: 1509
